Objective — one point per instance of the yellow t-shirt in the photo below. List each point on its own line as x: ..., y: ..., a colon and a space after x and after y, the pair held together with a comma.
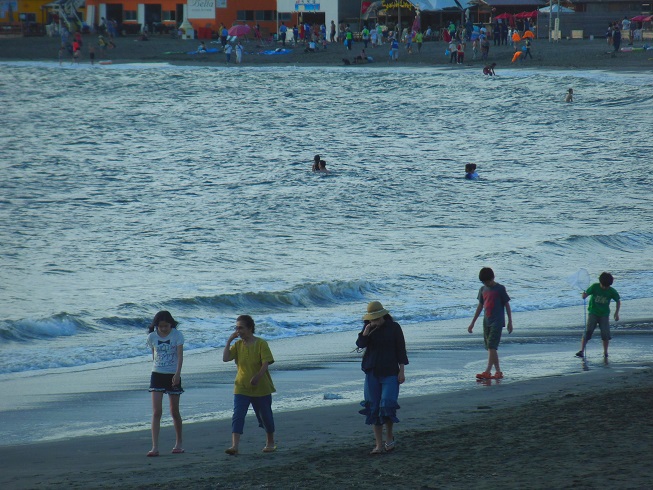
x: 249, y: 359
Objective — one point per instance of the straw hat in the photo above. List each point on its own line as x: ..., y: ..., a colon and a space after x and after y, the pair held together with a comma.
x: 375, y: 310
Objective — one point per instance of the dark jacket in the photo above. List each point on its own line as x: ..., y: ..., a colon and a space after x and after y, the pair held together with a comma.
x: 385, y: 349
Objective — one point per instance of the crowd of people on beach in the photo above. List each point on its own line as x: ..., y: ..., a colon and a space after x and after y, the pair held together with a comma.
x: 385, y: 357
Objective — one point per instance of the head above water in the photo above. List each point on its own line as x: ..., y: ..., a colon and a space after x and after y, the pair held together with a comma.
x: 316, y: 158
x: 606, y: 279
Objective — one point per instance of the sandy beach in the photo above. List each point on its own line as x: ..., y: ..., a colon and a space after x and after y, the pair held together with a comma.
x: 571, y: 424
x: 565, y: 54
x: 589, y: 430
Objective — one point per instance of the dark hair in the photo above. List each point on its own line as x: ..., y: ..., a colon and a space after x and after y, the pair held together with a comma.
x: 606, y: 279
x: 248, y: 321
x: 486, y: 274
x: 163, y: 316
x: 316, y: 158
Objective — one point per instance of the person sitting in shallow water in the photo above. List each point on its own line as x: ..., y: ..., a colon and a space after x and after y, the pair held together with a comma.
x: 470, y: 171
x: 489, y: 69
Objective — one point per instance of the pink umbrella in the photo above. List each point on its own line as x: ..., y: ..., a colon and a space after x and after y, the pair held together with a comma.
x: 239, y: 30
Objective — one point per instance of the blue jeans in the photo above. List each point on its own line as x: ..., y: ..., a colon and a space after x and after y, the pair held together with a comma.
x: 381, y: 394
x: 262, y: 408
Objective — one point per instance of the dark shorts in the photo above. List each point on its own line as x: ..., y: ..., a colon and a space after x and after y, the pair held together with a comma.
x: 604, y: 324
x: 162, y: 383
x: 491, y: 335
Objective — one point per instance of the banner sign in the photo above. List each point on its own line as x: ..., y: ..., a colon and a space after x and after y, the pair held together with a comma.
x: 307, y: 5
x: 201, y: 9
x: 393, y: 4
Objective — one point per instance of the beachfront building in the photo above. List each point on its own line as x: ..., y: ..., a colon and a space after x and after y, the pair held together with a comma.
x: 16, y: 12
x: 206, y: 16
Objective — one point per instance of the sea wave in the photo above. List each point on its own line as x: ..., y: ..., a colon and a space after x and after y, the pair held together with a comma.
x: 623, y: 241
x: 59, y: 325
x: 306, y: 295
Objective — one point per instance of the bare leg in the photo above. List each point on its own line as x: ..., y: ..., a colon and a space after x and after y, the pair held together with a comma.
x: 269, y: 439
x: 235, y: 440
x: 378, y: 437
x: 492, y: 360
x: 605, y: 348
x: 157, y: 411
x: 389, y: 433
x: 176, y: 419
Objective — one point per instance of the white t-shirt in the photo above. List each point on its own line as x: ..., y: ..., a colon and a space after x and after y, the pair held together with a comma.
x: 165, y: 350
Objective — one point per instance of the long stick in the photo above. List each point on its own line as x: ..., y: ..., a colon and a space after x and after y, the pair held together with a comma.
x: 584, y: 334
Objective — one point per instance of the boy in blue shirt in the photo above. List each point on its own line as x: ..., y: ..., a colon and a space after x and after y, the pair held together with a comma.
x: 598, y: 311
x: 495, y: 300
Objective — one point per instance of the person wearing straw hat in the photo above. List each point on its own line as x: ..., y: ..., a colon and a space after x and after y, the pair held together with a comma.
x: 383, y: 363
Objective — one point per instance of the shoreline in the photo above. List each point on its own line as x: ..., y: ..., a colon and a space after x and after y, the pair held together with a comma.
x: 564, y: 55
x: 504, y: 435
x: 312, y: 371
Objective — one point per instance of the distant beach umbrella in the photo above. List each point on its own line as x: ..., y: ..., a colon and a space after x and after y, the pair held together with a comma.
x: 239, y: 30
x: 528, y: 34
x: 516, y: 37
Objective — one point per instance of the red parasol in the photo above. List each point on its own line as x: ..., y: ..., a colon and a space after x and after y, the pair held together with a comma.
x: 239, y: 30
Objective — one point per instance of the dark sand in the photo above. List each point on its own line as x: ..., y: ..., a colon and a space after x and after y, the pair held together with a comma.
x: 566, y: 54
x: 589, y: 430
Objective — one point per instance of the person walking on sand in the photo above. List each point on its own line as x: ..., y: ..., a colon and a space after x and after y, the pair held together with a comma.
x: 493, y: 298
x: 598, y: 311
x: 253, y: 385
x: 167, y: 344
x: 383, y: 363
x: 239, y: 53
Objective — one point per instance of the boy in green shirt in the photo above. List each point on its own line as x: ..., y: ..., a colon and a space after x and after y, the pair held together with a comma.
x: 599, y: 311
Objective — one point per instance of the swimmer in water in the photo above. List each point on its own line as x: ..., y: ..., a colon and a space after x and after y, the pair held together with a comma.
x: 318, y: 164
x: 570, y: 95
x: 470, y: 171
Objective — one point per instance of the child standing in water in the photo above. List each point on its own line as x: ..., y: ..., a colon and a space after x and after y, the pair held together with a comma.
x: 599, y: 311
x: 495, y: 300
x: 167, y: 344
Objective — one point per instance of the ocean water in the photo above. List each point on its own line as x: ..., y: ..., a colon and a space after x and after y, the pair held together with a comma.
x: 127, y: 189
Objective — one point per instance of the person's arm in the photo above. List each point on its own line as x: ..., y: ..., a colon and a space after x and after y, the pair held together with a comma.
x: 479, y: 308
x: 616, y: 311
x: 509, y: 313
x: 226, y: 353
x: 401, y: 377
x: 255, y: 379
x: 176, y: 379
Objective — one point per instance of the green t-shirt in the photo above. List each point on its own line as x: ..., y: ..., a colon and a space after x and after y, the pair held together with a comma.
x: 600, y: 299
x: 249, y: 359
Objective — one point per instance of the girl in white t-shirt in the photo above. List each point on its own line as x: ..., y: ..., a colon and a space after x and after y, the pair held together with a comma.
x: 167, y: 344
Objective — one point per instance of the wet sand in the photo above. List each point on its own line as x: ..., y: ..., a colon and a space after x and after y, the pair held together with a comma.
x: 565, y: 54
x: 589, y: 430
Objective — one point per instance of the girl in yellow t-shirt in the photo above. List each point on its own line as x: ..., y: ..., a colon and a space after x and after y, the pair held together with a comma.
x: 253, y: 384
